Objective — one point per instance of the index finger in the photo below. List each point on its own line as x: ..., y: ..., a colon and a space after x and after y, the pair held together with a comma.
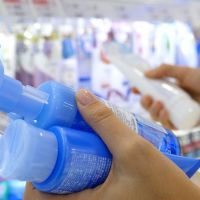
x: 166, y: 70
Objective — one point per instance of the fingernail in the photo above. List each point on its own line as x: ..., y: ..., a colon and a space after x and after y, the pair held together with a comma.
x: 85, y: 98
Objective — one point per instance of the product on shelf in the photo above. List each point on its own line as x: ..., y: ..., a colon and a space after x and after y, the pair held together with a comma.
x: 68, y: 67
x: 190, y: 142
x: 24, y: 64
x: 40, y: 45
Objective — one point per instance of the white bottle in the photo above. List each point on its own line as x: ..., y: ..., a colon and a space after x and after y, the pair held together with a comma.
x: 184, y: 111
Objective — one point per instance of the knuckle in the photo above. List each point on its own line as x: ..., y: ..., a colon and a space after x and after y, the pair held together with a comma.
x: 100, y: 113
x: 153, y: 110
x: 145, y: 103
x: 161, y: 66
x: 164, y: 116
x: 154, y: 116
x: 154, y: 106
x: 164, y: 67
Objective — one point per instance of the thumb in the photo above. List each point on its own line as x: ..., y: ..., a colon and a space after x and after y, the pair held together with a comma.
x: 167, y: 71
x: 104, y: 122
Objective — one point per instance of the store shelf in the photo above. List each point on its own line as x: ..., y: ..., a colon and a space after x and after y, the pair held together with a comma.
x: 156, y: 10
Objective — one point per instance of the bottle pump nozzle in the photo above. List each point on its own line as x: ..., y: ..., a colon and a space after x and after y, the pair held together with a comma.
x: 16, y: 98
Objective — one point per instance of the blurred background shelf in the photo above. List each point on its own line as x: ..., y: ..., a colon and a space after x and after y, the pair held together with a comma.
x: 61, y: 40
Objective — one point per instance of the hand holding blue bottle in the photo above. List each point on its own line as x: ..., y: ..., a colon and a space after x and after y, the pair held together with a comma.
x: 138, y: 172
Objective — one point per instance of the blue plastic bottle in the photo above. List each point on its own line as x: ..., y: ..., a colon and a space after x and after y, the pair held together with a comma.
x: 60, y: 160
x: 51, y: 104
x: 63, y: 160
x: 54, y: 104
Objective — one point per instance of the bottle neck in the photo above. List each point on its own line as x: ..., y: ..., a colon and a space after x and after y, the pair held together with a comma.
x: 24, y: 101
x: 31, y: 103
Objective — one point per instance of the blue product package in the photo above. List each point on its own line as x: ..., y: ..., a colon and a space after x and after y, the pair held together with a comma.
x: 82, y: 162
x: 54, y: 104
x: 60, y: 160
x: 67, y: 160
x: 50, y: 104
x: 67, y: 48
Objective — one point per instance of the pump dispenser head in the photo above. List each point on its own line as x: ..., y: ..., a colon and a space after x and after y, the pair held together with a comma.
x: 29, y: 153
x: 24, y: 101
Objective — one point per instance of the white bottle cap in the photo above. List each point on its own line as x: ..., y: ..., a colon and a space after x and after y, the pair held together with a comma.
x: 29, y: 153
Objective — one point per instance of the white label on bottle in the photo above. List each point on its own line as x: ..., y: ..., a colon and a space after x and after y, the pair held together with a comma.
x: 151, y: 131
x: 84, y: 170
x: 126, y: 117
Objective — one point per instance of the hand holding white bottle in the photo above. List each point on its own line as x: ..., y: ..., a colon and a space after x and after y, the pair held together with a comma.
x: 183, y: 110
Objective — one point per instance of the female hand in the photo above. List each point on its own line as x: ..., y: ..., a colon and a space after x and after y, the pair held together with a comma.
x: 187, y: 78
x: 139, y: 171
